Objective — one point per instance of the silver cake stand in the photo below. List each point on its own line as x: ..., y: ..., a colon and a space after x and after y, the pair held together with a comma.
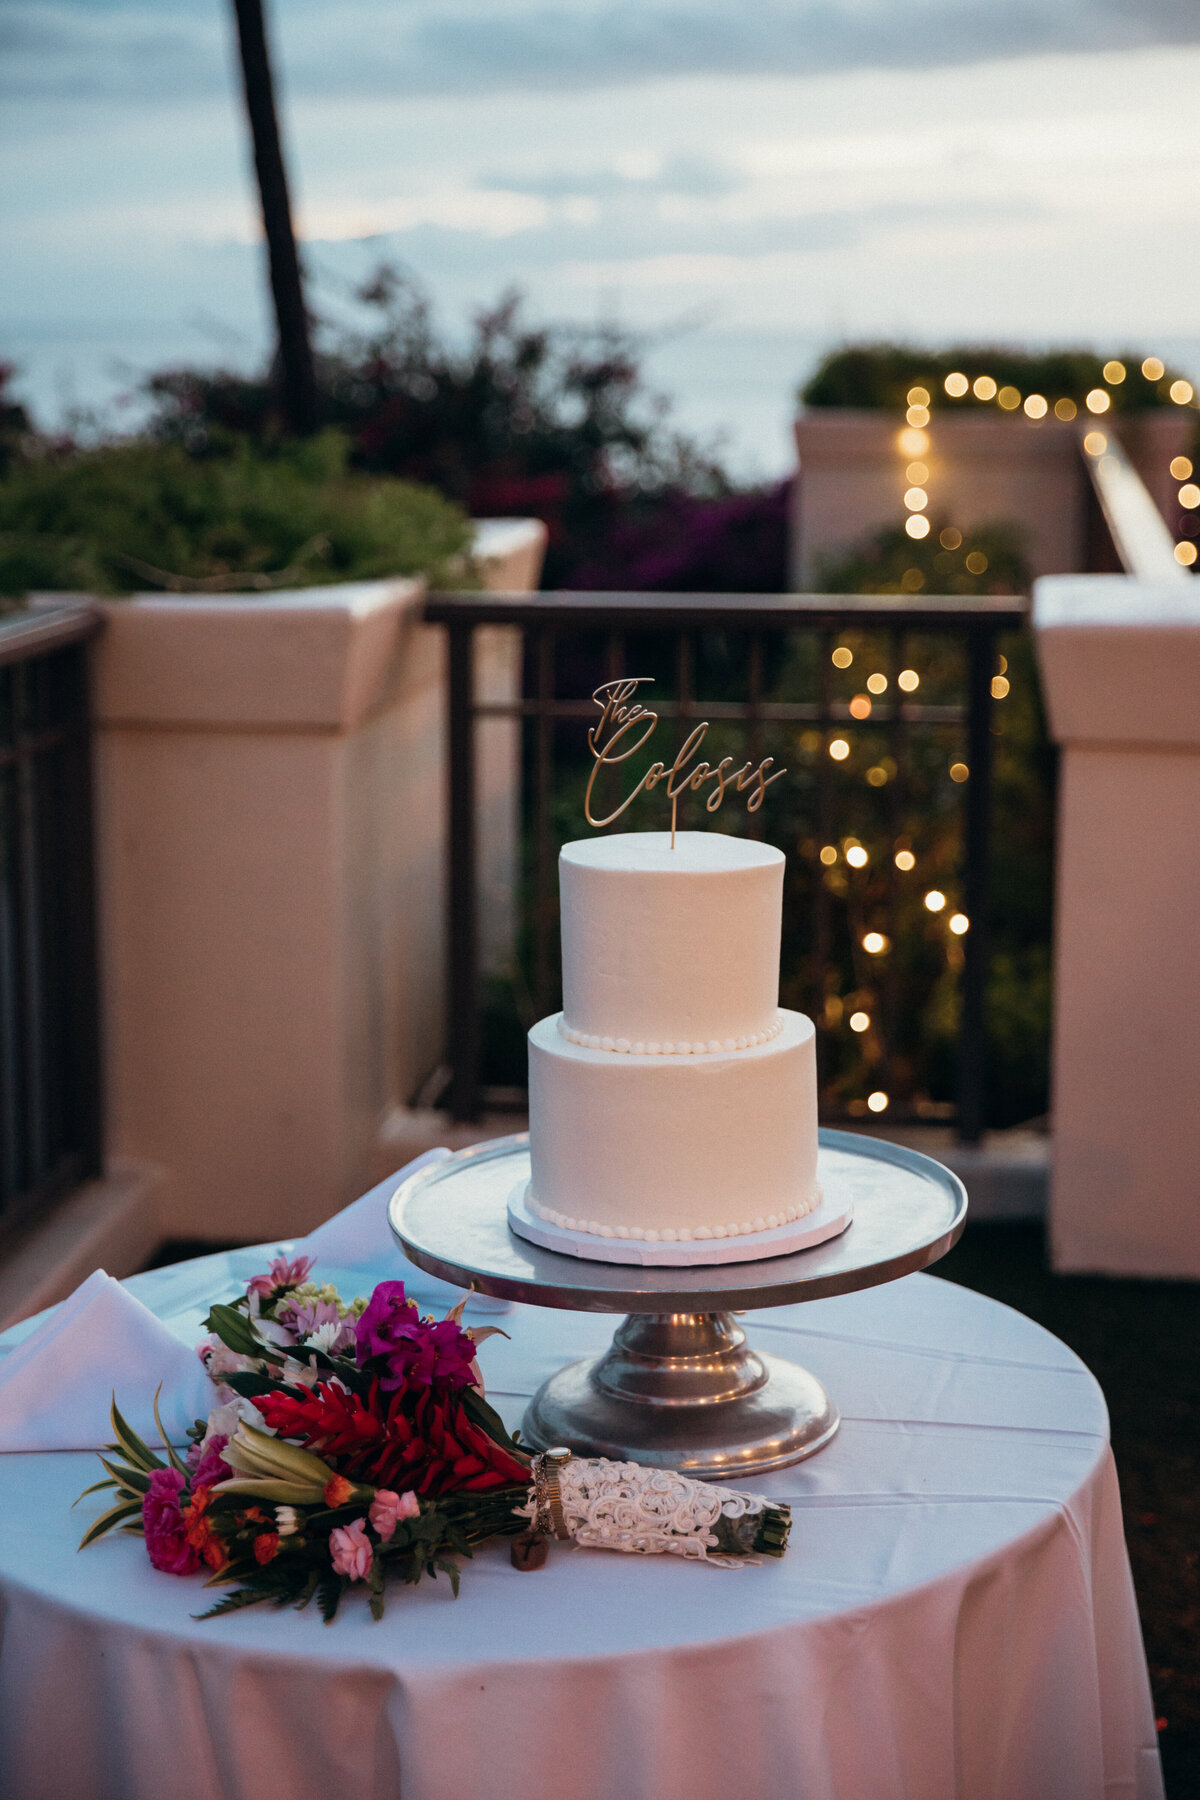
x: 679, y: 1387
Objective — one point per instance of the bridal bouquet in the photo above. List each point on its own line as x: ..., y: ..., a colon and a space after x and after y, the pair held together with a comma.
x: 350, y: 1443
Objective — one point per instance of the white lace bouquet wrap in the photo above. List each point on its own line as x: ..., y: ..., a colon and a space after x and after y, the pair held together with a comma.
x: 652, y: 1512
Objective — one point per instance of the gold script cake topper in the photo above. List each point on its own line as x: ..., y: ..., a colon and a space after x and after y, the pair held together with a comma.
x: 625, y: 726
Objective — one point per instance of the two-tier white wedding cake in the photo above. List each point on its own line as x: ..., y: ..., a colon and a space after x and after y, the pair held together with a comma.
x: 672, y: 1101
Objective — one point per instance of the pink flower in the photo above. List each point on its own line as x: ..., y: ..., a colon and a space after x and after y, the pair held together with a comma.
x: 165, y: 1525
x: 387, y: 1509
x: 282, y: 1273
x: 206, y: 1464
x: 351, y: 1549
x: 318, y: 1316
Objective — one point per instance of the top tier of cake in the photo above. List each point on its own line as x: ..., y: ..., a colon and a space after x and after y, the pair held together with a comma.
x: 670, y: 949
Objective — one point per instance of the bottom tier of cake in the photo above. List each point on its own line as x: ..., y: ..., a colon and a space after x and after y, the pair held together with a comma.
x: 679, y: 1148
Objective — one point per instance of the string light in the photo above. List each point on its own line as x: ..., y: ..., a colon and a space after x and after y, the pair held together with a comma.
x: 1181, y: 392
x: 912, y: 443
x: 1036, y: 406
x: 860, y: 707
x: 1009, y: 398
x: 1114, y: 372
x: 959, y: 771
x: 1189, y: 496
x: 935, y: 900
x: 829, y: 854
x: 959, y: 923
x: 917, y: 416
x: 1186, y: 554
x: 917, y: 473
x: 877, y: 684
x: 1095, y: 443
x: 857, y: 857
x: 877, y: 1101
x: 904, y: 859
x: 908, y: 679
x: 916, y: 499
x: 874, y: 943
x: 859, y: 1021
x: 999, y: 687
x: 1181, y: 467
x: 839, y: 749
x: 1154, y: 368
x: 917, y: 526
x: 956, y: 385
x: 1065, y: 409
x: 983, y: 387
x: 1098, y: 401
x: 842, y: 658
x: 918, y: 396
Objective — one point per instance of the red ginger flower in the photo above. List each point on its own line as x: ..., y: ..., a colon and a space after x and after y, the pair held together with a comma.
x: 427, y: 1445
x: 266, y: 1546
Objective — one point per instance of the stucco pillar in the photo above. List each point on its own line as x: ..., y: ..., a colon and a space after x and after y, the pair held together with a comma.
x: 1120, y: 664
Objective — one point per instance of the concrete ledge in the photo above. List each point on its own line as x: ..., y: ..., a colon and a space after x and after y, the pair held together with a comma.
x: 111, y: 1224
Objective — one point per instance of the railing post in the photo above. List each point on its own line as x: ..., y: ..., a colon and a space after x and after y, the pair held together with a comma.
x: 462, y: 986
x: 972, y: 1039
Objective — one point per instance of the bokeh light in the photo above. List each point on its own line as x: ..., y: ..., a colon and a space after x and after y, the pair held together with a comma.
x: 829, y: 854
x: 1185, y: 554
x: 877, y: 776
x: 1036, y: 406
x: 977, y: 562
x: 860, y: 1021
x: 959, y: 771
x: 983, y: 387
x: 917, y: 473
x: 839, y: 749
x: 1114, y: 372
x: 1098, y: 401
x: 956, y: 385
x: 908, y: 679
x: 1065, y: 409
x: 877, y: 1101
x: 1189, y: 496
x: 857, y: 857
x: 904, y: 859
x: 860, y: 707
x: 1181, y: 392
x: 1095, y: 443
x: 1181, y: 467
x: 842, y: 657
x: 916, y: 499
x: 918, y: 396
x: 950, y: 539
x: 959, y: 923
x: 917, y: 526
x: 877, y: 684
x: 912, y: 442
x: 935, y: 900
x: 917, y: 416
x: 1009, y: 398
x: 874, y: 943
x: 1154, y: 368
x: 999, y: 686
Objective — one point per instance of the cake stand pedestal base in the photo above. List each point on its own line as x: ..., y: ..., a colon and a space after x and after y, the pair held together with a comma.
x: 684, y: 1391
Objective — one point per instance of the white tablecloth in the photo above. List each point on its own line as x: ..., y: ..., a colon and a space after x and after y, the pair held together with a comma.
x: 954, y: 1618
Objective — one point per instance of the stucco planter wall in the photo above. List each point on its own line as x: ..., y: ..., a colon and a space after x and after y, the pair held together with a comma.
x: 271, y: 829
x: 1120, y: 666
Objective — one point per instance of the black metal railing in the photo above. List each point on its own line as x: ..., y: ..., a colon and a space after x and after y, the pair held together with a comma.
x: 50, y: 1123
x: 778, y: 673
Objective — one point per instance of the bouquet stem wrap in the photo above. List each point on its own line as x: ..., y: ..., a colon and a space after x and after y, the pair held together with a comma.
x: 658, y: 1512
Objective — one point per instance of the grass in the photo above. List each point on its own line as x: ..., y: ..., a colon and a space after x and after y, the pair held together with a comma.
x: 1141, y: 1340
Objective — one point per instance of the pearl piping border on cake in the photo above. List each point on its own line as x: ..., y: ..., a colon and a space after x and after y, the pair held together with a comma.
x: 702, y: 1234
x: 589, y: 1040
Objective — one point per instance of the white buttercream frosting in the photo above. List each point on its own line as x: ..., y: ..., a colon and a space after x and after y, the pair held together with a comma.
x: 623, y: 1047
x: 667, y: 946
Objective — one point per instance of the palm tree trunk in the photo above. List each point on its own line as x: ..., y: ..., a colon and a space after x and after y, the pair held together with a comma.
x: 298, y: 381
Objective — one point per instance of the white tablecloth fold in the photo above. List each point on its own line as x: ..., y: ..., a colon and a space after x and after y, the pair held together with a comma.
x: 57, y: 1385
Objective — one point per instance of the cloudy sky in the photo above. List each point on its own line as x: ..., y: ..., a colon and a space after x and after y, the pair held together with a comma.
x: 747, y: 183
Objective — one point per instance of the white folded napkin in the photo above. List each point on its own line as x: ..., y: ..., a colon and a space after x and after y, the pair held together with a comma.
x: 56, y: 1386
x: 359, y: 1237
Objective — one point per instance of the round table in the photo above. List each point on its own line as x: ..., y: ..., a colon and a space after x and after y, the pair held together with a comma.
x: 954, y: 1617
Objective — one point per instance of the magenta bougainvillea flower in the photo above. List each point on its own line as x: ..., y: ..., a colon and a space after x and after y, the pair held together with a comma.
x: 407, y: 1350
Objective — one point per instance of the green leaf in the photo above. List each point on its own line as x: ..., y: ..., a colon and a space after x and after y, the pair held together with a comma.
x: 238, y: 1334
x: 309, y: 1589
x: 250, y: 1385
x: 106, y: 1521
x: 131, y: 1480
x: 330, y: 1589
x: 451, y: 1569
x: 245, y: 1596
x: 96, y: 1488
x: 130, y: 1444
x: 375, y: 1583
x: 175, y: 1460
